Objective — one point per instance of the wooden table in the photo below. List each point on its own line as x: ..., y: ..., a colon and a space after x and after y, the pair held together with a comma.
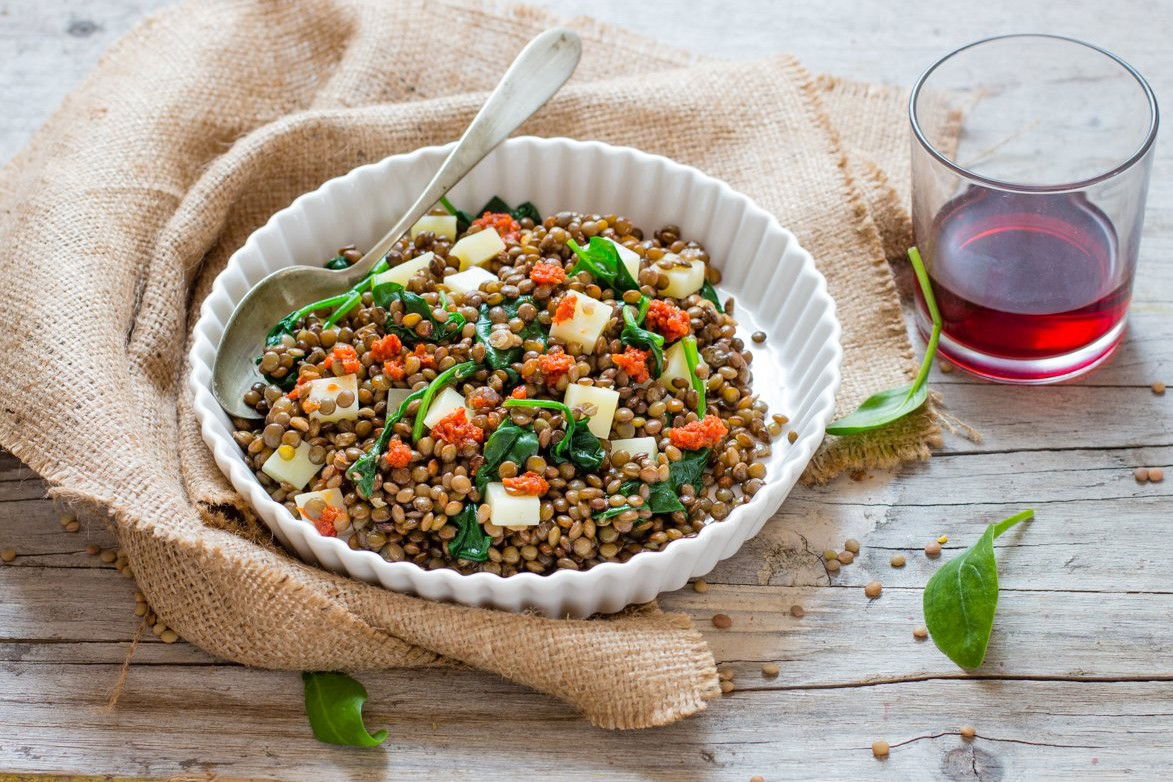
x: 1077, y: 684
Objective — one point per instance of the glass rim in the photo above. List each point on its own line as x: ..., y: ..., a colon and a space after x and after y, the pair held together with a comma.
x: 1133, y: 159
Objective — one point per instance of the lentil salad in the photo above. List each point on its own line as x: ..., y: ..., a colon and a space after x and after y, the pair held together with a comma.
x: 513, y: 393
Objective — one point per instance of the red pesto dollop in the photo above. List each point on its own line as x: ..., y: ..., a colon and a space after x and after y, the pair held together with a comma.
x: 527, y: 483
x: 565, y: 309
x: 455, y: 428
x: 398, y: 453
x: 505, y: 226
x: 668, y: 319
x: 547, y: 274
x: 705, y: 433
x: 634, y: 362
x: 554, y: 365
x: 386, y: 348
x: 346, y: 355
x: 325, y: 522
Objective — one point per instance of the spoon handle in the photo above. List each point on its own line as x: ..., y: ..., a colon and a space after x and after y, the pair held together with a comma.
x: 540, y: 69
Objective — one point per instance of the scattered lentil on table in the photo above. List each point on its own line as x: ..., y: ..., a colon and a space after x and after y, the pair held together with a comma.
x: 7, y: 555
x: 873, y: 589
x: 1156, y: 475
x: 423, y: 484
x: 968, y: 732
x: 897, y: 560
x: 700, y: 585
x: 770, y: 670
x: 1158, y: 387
x: 920, y: 632
x: 722, y: 621
x: 933, y: 549
x: 852, y: 545
x: 797, y: 611
x: 880, y: 748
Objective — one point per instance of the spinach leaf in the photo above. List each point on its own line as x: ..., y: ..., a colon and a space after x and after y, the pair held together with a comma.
x: 471, y: 541
x: 509, y: 442
x: 504, y: 359
x: 691, y: 358
x: 638, y: 337
x: 385, y: 293
x: 337, y: 262
x: 362, y: 473
x: 882, y: 408
x: 689, y: 469
x: 579, y: 446
x: 606, y: 514
x: 497, y: 205
x: 662, y: 496
x: 601, y: 259
x: 463, y: 219
x: 333, y: 704
x: 961, y: 598
x: 709, y: 293
x: 288, y: 324
x: 451, y: 374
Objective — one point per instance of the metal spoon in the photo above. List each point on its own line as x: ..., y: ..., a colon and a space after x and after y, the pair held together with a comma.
x: 540, y: 69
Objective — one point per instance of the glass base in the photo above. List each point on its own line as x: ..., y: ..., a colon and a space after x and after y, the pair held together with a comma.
x: 1039, y: 371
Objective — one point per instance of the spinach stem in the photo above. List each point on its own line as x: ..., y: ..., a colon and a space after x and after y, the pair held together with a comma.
x: 691, y: 358
x: 1017, y: 518
x: 926, y: 288
x: 550, y: 404
x: 442, y: 379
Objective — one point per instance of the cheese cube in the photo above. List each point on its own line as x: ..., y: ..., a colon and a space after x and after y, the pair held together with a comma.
x: 332, y: 497
x: 683, y: 280
x: 443, y: 226
x: 512, y: 510
x: 477, y: 249
x: 443, y: 404
x: 330, y: 388
x: 635, y: 446
x: 469, y: 280
x: 629, y: 257
x: 395, y: 397
x: 585, y: 325
x: 296, y: 470
x: 605, y: 400
x: 675, y: 365
x: 404, y: 271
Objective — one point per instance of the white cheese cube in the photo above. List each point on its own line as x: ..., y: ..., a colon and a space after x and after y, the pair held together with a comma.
x: 477, y: 249
x: 635, y: 446
x: 585, y: 325
x: 297, y: 470
x: 404, y: 271
x: 683, y: 280
x: 395, y: 397
x: 629, y: 257
x: 468, y: 280
x: 512, y: 510
x: 443, y: 404
x: 675, y: 365
x: 441, y: 225
x: 330, y: 388
x: 332, y: 497
x: 605, y: 400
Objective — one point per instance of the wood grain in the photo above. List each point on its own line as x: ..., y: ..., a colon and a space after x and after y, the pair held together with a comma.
x: 1079, y: 679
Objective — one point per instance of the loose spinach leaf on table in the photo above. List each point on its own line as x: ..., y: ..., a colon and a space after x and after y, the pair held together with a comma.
x: 578, y: 446
x: 961, y: 598
x: 386, y: 293
x: 333, y: 705
x: 883, y: 408
x: 709, y: 293
x: 509, y: 443
x: 471, y: 541
x: 638, y: 337
x: 601, y: 259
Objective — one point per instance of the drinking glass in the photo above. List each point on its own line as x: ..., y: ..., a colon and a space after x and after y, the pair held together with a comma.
x: 1030, y: 164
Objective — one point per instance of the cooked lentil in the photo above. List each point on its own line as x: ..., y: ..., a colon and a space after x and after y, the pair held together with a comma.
x: 409, y: 513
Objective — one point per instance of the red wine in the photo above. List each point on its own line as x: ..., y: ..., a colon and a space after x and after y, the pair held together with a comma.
x: 1026, y: 276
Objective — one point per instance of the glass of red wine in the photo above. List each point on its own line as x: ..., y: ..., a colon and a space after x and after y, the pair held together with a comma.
x: 1030, y: 165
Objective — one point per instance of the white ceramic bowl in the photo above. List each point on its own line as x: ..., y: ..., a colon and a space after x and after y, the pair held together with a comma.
x: 774, y: 281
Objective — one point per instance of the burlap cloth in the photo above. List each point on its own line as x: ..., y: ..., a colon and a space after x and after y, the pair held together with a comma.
x: 206, y: 119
